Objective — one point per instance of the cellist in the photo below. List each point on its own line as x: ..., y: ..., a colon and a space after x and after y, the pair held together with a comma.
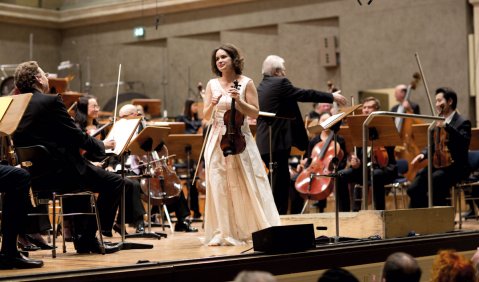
x: 317, y: 140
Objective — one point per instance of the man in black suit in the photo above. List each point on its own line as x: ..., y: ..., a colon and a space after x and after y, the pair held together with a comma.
x: 278, y: 95
x: 46, y: 122
x: 15, y: 186
x: 459, y: 130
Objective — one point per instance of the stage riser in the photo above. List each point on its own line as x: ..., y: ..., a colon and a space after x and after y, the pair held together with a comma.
x: 386, y: 224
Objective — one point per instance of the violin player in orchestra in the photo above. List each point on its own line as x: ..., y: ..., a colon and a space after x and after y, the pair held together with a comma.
x: 239, y: 200
x: 384, y: 169
x: 46, y: 122
x: 86, y: 114
x: 180, y: 206
x: 450, y: 153
x: 15, y: 188
x: 278, y: 95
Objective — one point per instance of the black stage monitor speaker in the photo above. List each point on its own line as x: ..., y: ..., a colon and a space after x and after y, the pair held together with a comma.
x: 287, y: 238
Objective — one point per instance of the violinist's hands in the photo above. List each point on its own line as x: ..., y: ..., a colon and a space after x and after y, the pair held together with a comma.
x: 234, y: 94
x: 440, y: 123
x: 417, y: 159
x: 109, y: 144
x: 355, y: 162
x: 215, y: 99
x: 109, y: 168
x: 407, y: 106
x: 340, y: 99
x: 300, y: 166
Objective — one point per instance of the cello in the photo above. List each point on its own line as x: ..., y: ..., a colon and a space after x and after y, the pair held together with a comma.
x: 319, y: 188
x: 233, y: 141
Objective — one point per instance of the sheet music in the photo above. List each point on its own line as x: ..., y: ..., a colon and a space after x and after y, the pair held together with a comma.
x: 4, y: 104
x: 266, y: 114
x: 121, y: 132
x: 328, y: 122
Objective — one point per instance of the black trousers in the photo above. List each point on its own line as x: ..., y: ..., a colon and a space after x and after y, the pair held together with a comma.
x: 281, y: 179
x: 15, y: 184
x: 108, y: 185
x: 442, y: 180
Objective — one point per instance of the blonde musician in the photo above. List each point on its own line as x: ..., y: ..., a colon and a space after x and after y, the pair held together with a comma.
x: 458, y: 131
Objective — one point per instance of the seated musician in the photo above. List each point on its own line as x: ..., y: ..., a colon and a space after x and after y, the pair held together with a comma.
x: 307, y: 160
x: 180, y: 207
x: 15, y: 187
x: 46, y: 122
x: 86, y: 115
x: 458, y: 129
x: 383, y: 173
x: 193, y: 123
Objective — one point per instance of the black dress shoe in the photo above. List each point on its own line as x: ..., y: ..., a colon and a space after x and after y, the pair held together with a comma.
x: 38, y: 241
x: 140, y: 227
x: 26, y: 245
x: 107, y: 233
x: 92, y: 245
x: 18, y: 261
x: 183, y: 226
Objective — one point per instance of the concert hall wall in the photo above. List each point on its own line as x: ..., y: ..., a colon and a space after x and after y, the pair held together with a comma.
x: 375, y: 44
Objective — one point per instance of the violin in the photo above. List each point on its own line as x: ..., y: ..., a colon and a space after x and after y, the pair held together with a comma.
x: 233, y: 141
x: 200, y: 183
x: 381, y: 157
x: 319, y: 188
x: 442, y: 155
x: 165, y: 185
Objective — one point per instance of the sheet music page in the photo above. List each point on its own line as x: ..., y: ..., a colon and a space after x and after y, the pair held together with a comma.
x: 266, y: 114
x: 121, y: 132
x: 328, y: 122
x: 4, y: 104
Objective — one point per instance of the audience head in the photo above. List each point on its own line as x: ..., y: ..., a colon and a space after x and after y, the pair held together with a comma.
x: 254, y: 276
x: 451, y: 266
x: 237, y: 60
x: 337, y: 274
x: 191, y: 109
x: 370, y: 104
x: 322, y: 107
x: 273, y: 66
x: 29, y: 77
x: 401, y: 267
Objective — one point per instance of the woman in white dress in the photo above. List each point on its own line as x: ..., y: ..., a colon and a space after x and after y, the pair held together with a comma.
x: 239, y: 200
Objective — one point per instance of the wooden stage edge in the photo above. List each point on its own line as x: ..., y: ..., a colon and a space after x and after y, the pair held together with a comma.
x: 221, y: 264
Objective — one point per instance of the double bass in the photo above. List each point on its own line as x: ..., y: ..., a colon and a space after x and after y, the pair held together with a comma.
x: 319, y: 188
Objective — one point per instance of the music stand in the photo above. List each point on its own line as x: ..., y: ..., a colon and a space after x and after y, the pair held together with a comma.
x: 122, y: 132
x: 186, y: 146
x: 419, y: 132
x: 383, y: 133
x: 176, y: 127
x: 332, y: 123
x: 14, y: 113
x: 70, y: 97
x: 150, y: 139
x: 269, y: 118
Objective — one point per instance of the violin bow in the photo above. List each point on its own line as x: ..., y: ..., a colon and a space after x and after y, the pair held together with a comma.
x: 117, y: 91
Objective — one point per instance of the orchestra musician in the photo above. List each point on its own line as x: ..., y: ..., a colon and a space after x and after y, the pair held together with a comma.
x: 15, y: 187
x: 458, y: 131
x: 400, y: 92
x: 46, y: 122
x: 86, y: 114
x: 193, y: 125
x: 383, y: 173
x: 180, y: 206
x: 239, y: 199
x: 277, y: 95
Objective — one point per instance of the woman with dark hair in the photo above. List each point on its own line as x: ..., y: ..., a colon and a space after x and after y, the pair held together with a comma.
x: 190, y: 117
x: 239, y: 199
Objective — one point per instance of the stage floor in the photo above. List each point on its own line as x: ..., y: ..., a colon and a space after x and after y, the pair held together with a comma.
x: 177, y: 247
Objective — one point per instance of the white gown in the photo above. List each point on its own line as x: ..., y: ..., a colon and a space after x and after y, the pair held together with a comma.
x: 239, y: 200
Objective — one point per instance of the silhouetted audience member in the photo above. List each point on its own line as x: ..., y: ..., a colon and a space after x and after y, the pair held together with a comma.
x: 337, y: 274
x: 451, y: 266
x: 401, y: 267
x: 254, y: 276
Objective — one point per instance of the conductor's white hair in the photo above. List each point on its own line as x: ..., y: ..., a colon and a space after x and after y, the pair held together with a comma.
x: 271, y: 64
x: 127, y: 110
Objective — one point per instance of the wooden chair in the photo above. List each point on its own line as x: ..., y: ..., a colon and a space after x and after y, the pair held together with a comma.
x: 38, y: 161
